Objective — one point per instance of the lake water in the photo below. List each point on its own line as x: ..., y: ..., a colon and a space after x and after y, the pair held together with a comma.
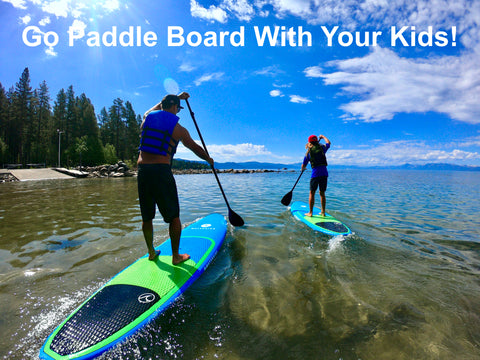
x: 404, y: 285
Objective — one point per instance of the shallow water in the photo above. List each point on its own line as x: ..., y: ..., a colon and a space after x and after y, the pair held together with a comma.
x: 405, y: 285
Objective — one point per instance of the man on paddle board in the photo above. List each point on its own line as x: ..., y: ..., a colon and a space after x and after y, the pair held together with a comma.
x: 161, y: 133
x: 316, y: 156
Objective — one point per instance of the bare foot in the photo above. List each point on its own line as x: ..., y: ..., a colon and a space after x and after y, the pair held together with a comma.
x: 322, y: 214
x: 308, y: 214
x: 151, y: 258
x: 180, y: 258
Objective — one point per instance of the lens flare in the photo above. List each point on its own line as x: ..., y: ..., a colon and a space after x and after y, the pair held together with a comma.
x: 171, y: 86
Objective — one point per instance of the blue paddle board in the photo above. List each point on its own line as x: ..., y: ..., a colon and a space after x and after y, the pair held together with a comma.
x: 326, y: 224
x: 135, y: 295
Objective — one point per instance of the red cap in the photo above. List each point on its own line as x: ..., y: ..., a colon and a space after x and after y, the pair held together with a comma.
x: 312, y: 139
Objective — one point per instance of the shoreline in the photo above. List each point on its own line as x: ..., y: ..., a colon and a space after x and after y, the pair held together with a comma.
x: 121, y: 169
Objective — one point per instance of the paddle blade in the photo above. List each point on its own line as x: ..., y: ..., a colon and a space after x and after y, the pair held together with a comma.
x: 287, y: 198
x: 234, y: 218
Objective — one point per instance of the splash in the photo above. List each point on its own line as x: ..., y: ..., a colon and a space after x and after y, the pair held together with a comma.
x: 335, y: 243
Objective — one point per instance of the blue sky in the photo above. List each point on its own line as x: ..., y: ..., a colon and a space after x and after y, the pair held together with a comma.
x: 411, y: 96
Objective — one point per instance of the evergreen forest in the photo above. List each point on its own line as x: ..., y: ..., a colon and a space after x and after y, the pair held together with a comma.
x: 32, y: 131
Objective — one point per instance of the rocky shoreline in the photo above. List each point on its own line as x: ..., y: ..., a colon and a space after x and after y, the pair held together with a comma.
x: 7, y: 177
x: 121, y: 169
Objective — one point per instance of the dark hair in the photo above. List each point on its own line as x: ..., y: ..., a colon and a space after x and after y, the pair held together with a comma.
x: 170, y: 100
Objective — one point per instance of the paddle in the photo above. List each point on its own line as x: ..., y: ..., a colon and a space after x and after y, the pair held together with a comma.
x: 233, y: 217
x: 288, y: 196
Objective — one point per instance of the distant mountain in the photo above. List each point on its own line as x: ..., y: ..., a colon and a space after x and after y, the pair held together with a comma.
x: 253, y: 165
x: 432, y: 166
x: 270, y: 166
x: 248, y: 165
x: 440, y: 167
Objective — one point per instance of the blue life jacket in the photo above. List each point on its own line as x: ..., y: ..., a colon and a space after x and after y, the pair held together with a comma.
x: 317, y: 156
x: 157, y: 133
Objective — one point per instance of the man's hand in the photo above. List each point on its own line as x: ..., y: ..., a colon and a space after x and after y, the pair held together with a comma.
x: 184, y: 96
x: 211, y: 162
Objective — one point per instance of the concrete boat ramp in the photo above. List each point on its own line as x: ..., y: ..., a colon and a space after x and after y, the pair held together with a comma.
x: 44, y: 174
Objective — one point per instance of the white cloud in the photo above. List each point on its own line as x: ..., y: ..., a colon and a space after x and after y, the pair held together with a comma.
x: 50, y: 51
x: 272, y: 71
x: 276, y: 93
x: 231, y: 152
x: 110, y: 5
x: 58, y: 8
x: 301, y: 8
x: 240, y: 8
x: 186, y: 67
x: 212, y: 14
x: 25, y: 19
x: 19, y: 4
x: 208, y: 77
x: 78, y: 28
x: 314, y: 72
x: 386, y: 84
x: 378, y: 154
x: 470, y: 141
x: 393, y: 154
x: 299, y: 99
x: 44, y: 21
x: 354, y: 14
x: 69, y: 8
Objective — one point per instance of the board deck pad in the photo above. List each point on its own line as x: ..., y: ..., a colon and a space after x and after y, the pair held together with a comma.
x: 111, y: 309
x: 326, y: 224
x: 135, y: 295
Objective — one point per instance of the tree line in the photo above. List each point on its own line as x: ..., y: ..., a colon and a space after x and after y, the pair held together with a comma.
x: 32, y: 131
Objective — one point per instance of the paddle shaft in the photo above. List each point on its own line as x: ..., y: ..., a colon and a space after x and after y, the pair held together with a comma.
x: 205, y: 148
x: 299, y: 176
x: 288, y: 196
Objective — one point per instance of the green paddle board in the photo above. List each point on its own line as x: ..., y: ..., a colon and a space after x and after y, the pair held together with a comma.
x: 326, y: 224
x: 136, y: 295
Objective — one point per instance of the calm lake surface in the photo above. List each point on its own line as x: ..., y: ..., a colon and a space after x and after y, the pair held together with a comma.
x: 404, y: 285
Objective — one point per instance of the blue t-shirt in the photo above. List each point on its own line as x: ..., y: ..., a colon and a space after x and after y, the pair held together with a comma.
x: 319, y: 170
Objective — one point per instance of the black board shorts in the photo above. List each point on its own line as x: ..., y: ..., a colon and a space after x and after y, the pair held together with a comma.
x: 157, y: 187
x: 318, y: 182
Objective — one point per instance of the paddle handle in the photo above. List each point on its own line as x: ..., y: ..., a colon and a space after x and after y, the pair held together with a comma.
x: 206, y: 150
x: 196, y: 126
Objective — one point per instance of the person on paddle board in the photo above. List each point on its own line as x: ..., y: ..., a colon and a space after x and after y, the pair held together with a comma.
x: 316, y: 156
x: 160, y: 136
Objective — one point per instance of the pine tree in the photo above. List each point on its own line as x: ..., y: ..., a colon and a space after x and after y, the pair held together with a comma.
x: 116, y: 114
x: 43, y: 125
x: 22, y: 118
x: 4, y: 109
x: 60, y: 121
x: 132, y: 136
x: 93, y: 154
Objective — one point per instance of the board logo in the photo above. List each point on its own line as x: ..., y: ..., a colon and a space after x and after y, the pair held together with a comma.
x: 206, y: 225
x: 146, y: 298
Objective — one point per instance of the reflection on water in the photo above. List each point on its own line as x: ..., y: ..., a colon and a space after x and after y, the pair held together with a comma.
x: 404, y: 285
